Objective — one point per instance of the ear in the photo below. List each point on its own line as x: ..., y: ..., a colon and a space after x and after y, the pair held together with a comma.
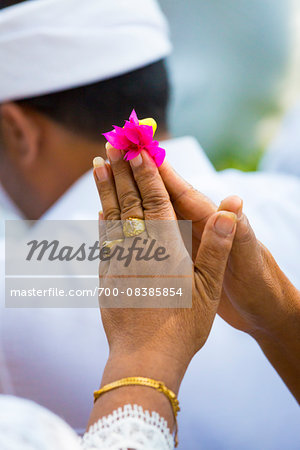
x: 20, y: 133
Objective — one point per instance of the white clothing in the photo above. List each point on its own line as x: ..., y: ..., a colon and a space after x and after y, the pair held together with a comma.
x: 28, y: 426
x: 283, y: 155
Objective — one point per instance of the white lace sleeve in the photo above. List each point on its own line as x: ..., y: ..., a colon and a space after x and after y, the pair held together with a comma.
x: 129, y: 427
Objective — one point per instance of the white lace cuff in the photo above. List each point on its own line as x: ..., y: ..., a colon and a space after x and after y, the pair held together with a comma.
x: 129, y: 427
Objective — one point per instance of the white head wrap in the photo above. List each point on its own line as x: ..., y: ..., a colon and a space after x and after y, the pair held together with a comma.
x: 52, y: 45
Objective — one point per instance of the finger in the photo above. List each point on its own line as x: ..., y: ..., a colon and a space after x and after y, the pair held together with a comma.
x: 233, y: 203
x: 106, y: 189
x: 187, y: 201
x: 127, y: 191
x: 252, y: 272
x: 214, y: 251
x: 104, y: 264
x: 108, y: 196
x: 245, y: 246
x: 101, y: 229
x: 155, y: 198
x: 160, y: 216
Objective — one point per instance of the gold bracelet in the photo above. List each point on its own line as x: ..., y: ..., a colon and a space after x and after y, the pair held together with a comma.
x: 141, y: 381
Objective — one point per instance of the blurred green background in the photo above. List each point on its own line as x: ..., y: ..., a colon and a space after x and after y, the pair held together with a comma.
x: 234, y: 73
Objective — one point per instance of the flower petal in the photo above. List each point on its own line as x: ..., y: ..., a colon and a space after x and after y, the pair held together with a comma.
x: 131, y: 154
x: 132, y: 133
x: 117, y: 140
x: 152, y: 148
x: 150, y: 122
x: 134, y: 118
x: 146, y: 134
x: 119, y: 130
x: 159, y: 157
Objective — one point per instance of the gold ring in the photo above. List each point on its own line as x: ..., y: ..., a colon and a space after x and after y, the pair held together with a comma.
x: 108, y: 245
x: 133, y: 227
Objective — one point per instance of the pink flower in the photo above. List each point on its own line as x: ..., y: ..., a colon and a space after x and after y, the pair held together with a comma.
x: 135, y: 137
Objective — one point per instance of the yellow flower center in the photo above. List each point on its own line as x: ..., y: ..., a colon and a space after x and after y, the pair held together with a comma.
x: 150, y: 122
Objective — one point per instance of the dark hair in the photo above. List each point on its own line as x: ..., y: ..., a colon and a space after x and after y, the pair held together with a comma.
x: 6, y: 3
x: 94, y: 108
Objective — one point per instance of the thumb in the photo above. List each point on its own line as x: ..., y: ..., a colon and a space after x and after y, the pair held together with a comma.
x: 214, y: 250
x: 245, y: 247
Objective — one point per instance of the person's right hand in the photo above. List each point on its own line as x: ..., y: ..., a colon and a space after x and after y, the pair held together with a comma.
x: 257, y: 297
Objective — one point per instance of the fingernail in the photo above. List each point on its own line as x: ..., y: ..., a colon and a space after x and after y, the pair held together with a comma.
x: 100, y: 168
x: 225, y: 223
x: 113, y: 153
x: 136, y: 162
